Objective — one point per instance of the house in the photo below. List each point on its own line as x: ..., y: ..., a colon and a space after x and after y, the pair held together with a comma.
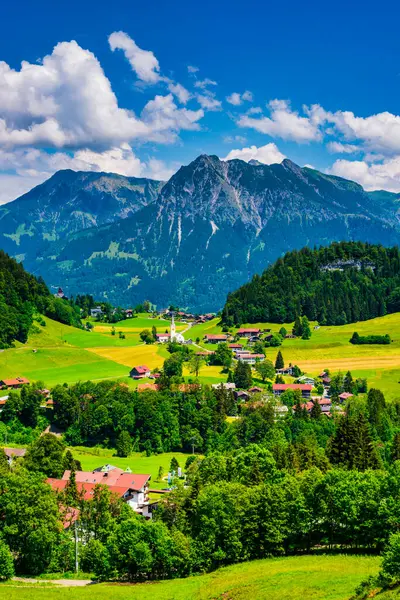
x: 13, y: 453
x: 96, y: 312
x: 14, y: 383
x: 140, y: 372
x: 306, y: 379
x: 255, y: 390
x: 326, y: 381
x: 248, y: 332
x: 240, y: 352
x: 163, y: 338
x: 60, y: 294
x: 241, y: 395
x: 285, y: 371
x: 280, y: 388
x: 215, y: 339
x: 251, y: 359
x: 235, y: 347
x: 147, y: 387
x: 129, y: 313
x: 3, y: 400
x: 131, y: 487
x: 226, y: 386
x: 345, y: 396
x: 290, y: 336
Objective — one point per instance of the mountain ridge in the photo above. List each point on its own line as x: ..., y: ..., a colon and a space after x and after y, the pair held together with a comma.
x: 203, y: 233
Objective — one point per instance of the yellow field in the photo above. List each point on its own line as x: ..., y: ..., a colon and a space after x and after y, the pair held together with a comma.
x: 152, y: 356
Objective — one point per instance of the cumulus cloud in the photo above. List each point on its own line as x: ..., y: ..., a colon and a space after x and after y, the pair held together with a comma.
x: 192, y: 69
x: 230, y: 139
x: 204, y: 83
x: 143, y: 62
x: 267, y: 154
x: 339, y: 148
x: 163, y: 117
x: 180, y: 92
x: 384, y: 175
x: 283, y: 123
x: 208, y: 102
x: 237, y: 99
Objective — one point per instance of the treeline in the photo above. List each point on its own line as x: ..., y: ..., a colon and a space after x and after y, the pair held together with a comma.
x: 358, y: 339
x: 342, y: 283
x: 22, y: 296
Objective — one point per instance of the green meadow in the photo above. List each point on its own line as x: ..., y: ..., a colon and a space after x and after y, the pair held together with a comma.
x: 292, y: 578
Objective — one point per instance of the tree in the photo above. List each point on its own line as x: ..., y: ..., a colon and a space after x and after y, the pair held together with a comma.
x: 173, y: 366
x: 71, y: 489
x: 124, y: 444
x: 46, y: 455
x: 222, y: 356
x: 283, y: 332
x: 297, y: 327
x: 279, y: 362
x: 395, y: 449
x: 146, y: 336
x: 315, y: 412
x: 351, y: 446
x: 174, y: 466
x: 4, y: 466
x: 195, y: 364
x: 348, y: 384
x: 242, y: 375
x: 160, y: 473
x: 305, y: 325
x: 391, y: 557
x: 6, y: 562
x: 265, y: 369
x: 154, y: 333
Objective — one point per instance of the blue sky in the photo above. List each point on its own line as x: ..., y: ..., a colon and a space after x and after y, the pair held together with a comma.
x: 141, y: 88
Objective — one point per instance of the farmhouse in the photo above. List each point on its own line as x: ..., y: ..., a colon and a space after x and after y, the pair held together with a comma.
x: 225, y: 386
x: 251, y: 359
x: 215, y: 339
x: 241, y: 395
x: 163, y: 338
x: 248, y: 332
x: 95, y: 312
x: 13, y: 453
x: 255, y: 390
x: 129, y: 313
x: 306, y: 379
x: 14, y: 383
x: 139, y: 372
x: 345, y: 396
x: 279, y: 388
x: 285, y: 371
x: 235, y: 347
x: 131, y: 487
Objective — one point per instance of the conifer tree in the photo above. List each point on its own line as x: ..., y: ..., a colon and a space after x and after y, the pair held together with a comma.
x: 297, y: 327
x: 316, y: 410
x: 348, y: 383
x: 395, y: 449
x: 279, y: 362
x: 305, y: 325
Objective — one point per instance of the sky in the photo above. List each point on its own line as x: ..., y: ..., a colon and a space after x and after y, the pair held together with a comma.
x: 140, y: 88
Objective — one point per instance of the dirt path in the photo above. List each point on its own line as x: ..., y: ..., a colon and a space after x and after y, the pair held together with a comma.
x: 64, y: 582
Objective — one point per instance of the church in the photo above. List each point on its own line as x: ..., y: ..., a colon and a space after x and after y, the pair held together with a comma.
x: 175, y: 337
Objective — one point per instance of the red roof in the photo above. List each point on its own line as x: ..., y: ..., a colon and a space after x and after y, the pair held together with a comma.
x: 252, y: 356
x: 216, y: 337
x: 141, y: 369
x: 292, y: 386
x: 114, y: 478
x: 235, y: 346
x: 249, y: 330
x: 345, y: 395
x: 158, y: 335
x: 16, y: 381
x: 255, y: 389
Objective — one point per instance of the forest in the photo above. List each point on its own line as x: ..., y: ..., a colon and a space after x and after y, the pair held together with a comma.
x: 334, y: 285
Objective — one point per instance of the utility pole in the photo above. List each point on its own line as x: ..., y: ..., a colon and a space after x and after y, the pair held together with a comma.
x: 76, y: 548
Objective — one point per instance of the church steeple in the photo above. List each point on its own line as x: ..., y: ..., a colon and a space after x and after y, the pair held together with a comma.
x: 173, y: 330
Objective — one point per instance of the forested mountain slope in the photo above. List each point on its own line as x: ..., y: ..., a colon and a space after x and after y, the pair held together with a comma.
x: 342, y: 283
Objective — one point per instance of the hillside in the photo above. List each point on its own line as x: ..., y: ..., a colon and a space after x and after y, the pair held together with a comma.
x: 211, y: 227
x: 294, y: 578
x: 342, y: 283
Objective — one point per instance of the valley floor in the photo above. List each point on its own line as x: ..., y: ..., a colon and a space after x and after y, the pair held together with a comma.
x: 61, y: 354
x: 291, y: 578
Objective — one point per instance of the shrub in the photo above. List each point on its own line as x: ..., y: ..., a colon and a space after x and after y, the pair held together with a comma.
x: 6, y: 562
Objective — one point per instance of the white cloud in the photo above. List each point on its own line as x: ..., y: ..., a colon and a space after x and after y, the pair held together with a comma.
x: 204, y: 83
x: 378, y: 176
x: 283, y: 123
x: 163, y: 117
x: 254, y: 110
x: 13, y: 186
x: 208, y: 101
x: 192, y: 69
x: 237, y: 99
x: 339, y: 148
x: 230, y: 139
x: 143, y: 62
x: 180, y: 92
x: 267, y: 154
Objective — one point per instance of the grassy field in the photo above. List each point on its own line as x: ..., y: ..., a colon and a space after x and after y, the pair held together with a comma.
x: 65, y: 354
x: 293, y: 578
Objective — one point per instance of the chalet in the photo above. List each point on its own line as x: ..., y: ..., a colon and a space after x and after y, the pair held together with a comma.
x: 254, y: 338
x: 241, y: 395
x: 14, y: 383
x: 251, y: 359
x: 285, y: 371
x: 248, y: 332
x: 139, y: 372
x: 129, y: 313
x: 96, y: 312
x: 255, y: 390
x: 345, y: 396
x: 226, y: 386
x: 60, y: 294
x: 235, y: 347
x: 280, y: 388
x: 290, y: 336
x: 326, y: 381
x: 306, y: 379
x: 163, y: 338
x: 13, y: 453
x: 132, y: 488
x: 215, y: 339
x: 324, y: 403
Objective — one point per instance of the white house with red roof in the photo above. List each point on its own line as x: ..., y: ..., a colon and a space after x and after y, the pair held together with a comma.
x: 251, y: 359
x: 280, y: 388
x: 140, y: 372
x: 130, y: 487
x: 163, y: 338
x: 215, y: 338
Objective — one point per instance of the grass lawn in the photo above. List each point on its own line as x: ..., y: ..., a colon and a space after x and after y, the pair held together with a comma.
x: 292, y: 578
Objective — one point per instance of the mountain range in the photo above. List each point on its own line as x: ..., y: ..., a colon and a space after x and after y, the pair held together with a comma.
x: 188, y: 241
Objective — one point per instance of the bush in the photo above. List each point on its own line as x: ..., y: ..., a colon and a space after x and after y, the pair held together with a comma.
x: 391, y: 557
x: 6, y: 562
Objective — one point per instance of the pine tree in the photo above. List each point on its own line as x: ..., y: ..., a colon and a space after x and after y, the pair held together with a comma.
x: 305, y: 325
x: 71, y: 489
x: 297, y: 327
x: 279, y: 362
x: 316, y: 410
x: 242, y: 376
x: 124, y: 444
x: 395, y: 449
x: 348, y: 383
